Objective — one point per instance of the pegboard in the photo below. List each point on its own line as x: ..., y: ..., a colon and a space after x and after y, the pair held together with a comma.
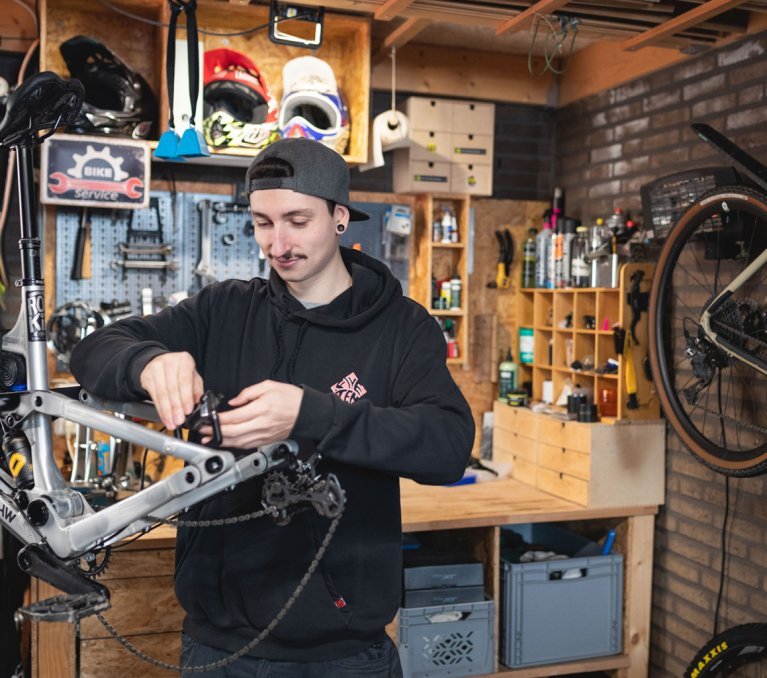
x: 180, y: 217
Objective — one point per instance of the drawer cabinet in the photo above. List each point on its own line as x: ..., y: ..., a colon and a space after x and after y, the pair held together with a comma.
x: 596, y: 465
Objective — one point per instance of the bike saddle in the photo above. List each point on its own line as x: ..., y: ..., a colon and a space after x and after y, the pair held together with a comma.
x: 38, y: 107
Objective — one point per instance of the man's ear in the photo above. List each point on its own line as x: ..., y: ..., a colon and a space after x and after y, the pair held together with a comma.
x: 341, y: 215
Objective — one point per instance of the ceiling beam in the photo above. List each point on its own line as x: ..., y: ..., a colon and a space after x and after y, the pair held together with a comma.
x: 523, y: 19
x: 679, y: 23
x: 398, y: 37
x: 391, y: 8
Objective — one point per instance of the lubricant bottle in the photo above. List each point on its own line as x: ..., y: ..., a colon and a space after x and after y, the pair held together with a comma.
x: 507, y: 376
x: 542, y: 248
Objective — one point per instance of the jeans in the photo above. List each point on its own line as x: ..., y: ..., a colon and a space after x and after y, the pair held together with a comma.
x: 380, y: 660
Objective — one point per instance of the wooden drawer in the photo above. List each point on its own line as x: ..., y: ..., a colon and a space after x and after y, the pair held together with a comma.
x: 517, y: 419
x: 430, y: 145
x: 571, y: 462
x: 563, y: 485
x: 428, y: 113
x: 474, y: 117
x: 523, y: 470
x: 467, y: 147
x: 512, y: 442
x: 552, y: 431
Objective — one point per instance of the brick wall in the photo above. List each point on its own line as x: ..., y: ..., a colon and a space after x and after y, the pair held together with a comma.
x: 608, y: 146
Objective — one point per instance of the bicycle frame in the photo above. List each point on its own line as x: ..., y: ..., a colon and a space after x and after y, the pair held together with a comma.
x: 53, y: 521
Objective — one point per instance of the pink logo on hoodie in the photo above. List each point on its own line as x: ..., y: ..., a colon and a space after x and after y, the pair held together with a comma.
x: 349, y: 388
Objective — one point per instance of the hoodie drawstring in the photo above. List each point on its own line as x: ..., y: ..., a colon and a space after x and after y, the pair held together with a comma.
x: 280, y: 342
x: 294, y: 356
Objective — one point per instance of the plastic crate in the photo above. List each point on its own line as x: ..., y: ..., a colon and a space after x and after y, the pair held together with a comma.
x: 429, y: 647
x: 548, y: 617
x: 665, y: 199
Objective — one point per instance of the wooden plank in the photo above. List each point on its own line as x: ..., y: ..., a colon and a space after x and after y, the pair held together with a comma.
x: 568, y: 668
x: 493, y: 76
x: 391, y: 8
x: 637, y: 595
x: 104, y: 657
x: 499, y: 502
x: 53, y: 643
x: 399, y: 36
x: 677, y: 24
x: 523, y: 19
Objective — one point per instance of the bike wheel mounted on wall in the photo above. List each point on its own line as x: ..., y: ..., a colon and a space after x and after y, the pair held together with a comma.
x: 716, y: 403
x: 731, y: 650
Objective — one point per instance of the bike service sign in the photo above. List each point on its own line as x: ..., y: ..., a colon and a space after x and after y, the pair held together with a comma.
x: 94, y: 171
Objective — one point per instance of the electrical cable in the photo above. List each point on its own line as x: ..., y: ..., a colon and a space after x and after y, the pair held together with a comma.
x: 160, y: 24
x: 724, y: 553
x: 549, y: 54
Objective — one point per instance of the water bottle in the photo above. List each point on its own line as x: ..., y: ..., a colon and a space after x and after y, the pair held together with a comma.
x: 542, y: 247
x: 579, y: 268
x: 568, y: 237
x: 528, y: 259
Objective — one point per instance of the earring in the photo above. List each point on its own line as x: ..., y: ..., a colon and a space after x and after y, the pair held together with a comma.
x: 340, y: 228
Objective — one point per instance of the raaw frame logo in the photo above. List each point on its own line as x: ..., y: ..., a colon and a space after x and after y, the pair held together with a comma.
x: 96, y: 171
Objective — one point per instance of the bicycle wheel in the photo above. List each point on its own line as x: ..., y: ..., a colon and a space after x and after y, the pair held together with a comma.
x: 716, y: 403
x: 730, y: 650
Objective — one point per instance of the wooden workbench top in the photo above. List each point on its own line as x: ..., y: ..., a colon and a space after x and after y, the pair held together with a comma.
x: 499, y: 502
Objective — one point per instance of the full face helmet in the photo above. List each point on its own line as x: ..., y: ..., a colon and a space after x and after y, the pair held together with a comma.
x: 117, y: 99
x: 312, y: 105
x: 238, y: 109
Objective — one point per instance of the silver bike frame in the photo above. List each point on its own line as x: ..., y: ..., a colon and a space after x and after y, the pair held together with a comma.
x: 53, y: 514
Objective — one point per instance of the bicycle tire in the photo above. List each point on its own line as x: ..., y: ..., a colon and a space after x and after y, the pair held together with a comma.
x: 739, y: 204
x: 728, y: 651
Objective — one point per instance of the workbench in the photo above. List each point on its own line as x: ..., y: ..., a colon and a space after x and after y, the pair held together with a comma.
x: 145, y: 610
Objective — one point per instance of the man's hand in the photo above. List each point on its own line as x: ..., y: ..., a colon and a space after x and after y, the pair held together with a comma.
x: 263, y: 413
x: 174, y: 385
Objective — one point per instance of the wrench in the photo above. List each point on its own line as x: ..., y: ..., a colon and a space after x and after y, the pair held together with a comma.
x: 204, y: 266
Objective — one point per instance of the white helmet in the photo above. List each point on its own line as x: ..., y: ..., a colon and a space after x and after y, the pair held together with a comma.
x: 312, y: 106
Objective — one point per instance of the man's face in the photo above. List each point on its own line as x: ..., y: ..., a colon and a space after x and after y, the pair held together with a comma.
x: 296, y: 233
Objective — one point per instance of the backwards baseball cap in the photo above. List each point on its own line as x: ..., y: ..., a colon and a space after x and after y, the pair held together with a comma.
x: 317, y: 170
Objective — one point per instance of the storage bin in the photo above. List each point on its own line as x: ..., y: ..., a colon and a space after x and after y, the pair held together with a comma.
x: 430, y: 648
x: 549, y: 617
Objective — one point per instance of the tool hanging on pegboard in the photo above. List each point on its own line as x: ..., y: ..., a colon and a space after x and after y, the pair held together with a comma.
x: 144, y: 248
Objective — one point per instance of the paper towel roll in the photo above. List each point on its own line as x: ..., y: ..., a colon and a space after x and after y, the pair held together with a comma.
x: 391, y: 129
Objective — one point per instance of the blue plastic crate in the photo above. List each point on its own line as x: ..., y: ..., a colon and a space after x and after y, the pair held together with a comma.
x: 560, y: 610
x: 429, y: 647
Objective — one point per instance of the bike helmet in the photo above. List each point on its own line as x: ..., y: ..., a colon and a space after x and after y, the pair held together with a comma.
x: 238, y: 109
x: 117, y: 99
x: 312, y: 105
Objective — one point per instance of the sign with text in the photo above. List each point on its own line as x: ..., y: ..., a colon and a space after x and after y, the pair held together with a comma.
x: 94, y: 171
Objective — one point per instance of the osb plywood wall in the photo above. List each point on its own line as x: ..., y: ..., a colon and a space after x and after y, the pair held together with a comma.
x: 492, y: 320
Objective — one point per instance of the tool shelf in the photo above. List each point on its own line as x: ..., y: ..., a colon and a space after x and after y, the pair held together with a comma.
x: 559, y: 342
x: 442, y: 261
x: 140, y: 40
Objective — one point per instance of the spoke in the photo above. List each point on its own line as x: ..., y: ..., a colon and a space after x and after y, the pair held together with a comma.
x: 693, y: 312
x: 686, y: 270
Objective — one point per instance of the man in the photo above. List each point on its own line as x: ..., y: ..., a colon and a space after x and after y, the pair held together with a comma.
x: 327, y: 351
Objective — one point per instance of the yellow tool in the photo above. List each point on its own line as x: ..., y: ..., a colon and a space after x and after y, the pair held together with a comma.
x: 631, y: 375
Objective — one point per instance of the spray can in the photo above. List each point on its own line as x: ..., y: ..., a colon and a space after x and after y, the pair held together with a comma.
x: 567, y: 251
x: 528, y: 259
x: 542, y: 247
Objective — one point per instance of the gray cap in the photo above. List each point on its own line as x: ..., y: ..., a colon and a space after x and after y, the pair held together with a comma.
x: 317, y: 170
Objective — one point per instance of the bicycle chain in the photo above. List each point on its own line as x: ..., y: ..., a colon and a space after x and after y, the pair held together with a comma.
x: 253, y: 643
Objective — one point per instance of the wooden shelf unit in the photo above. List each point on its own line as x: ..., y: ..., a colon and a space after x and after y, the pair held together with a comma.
x: 345, y: 46
x: 441, y: 261
x: 556, y: 347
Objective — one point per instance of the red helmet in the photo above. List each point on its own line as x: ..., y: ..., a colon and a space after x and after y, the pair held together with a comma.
x: 238, y: 109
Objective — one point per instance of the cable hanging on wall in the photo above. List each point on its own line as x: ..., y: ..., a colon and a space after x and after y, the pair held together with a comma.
x: 554, y: 42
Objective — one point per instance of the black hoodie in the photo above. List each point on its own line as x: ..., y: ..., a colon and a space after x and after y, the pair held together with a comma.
x: 378, y: 403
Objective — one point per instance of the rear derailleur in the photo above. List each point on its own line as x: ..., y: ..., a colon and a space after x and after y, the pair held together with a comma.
x: 297, y: 486
x: 706, y: 360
